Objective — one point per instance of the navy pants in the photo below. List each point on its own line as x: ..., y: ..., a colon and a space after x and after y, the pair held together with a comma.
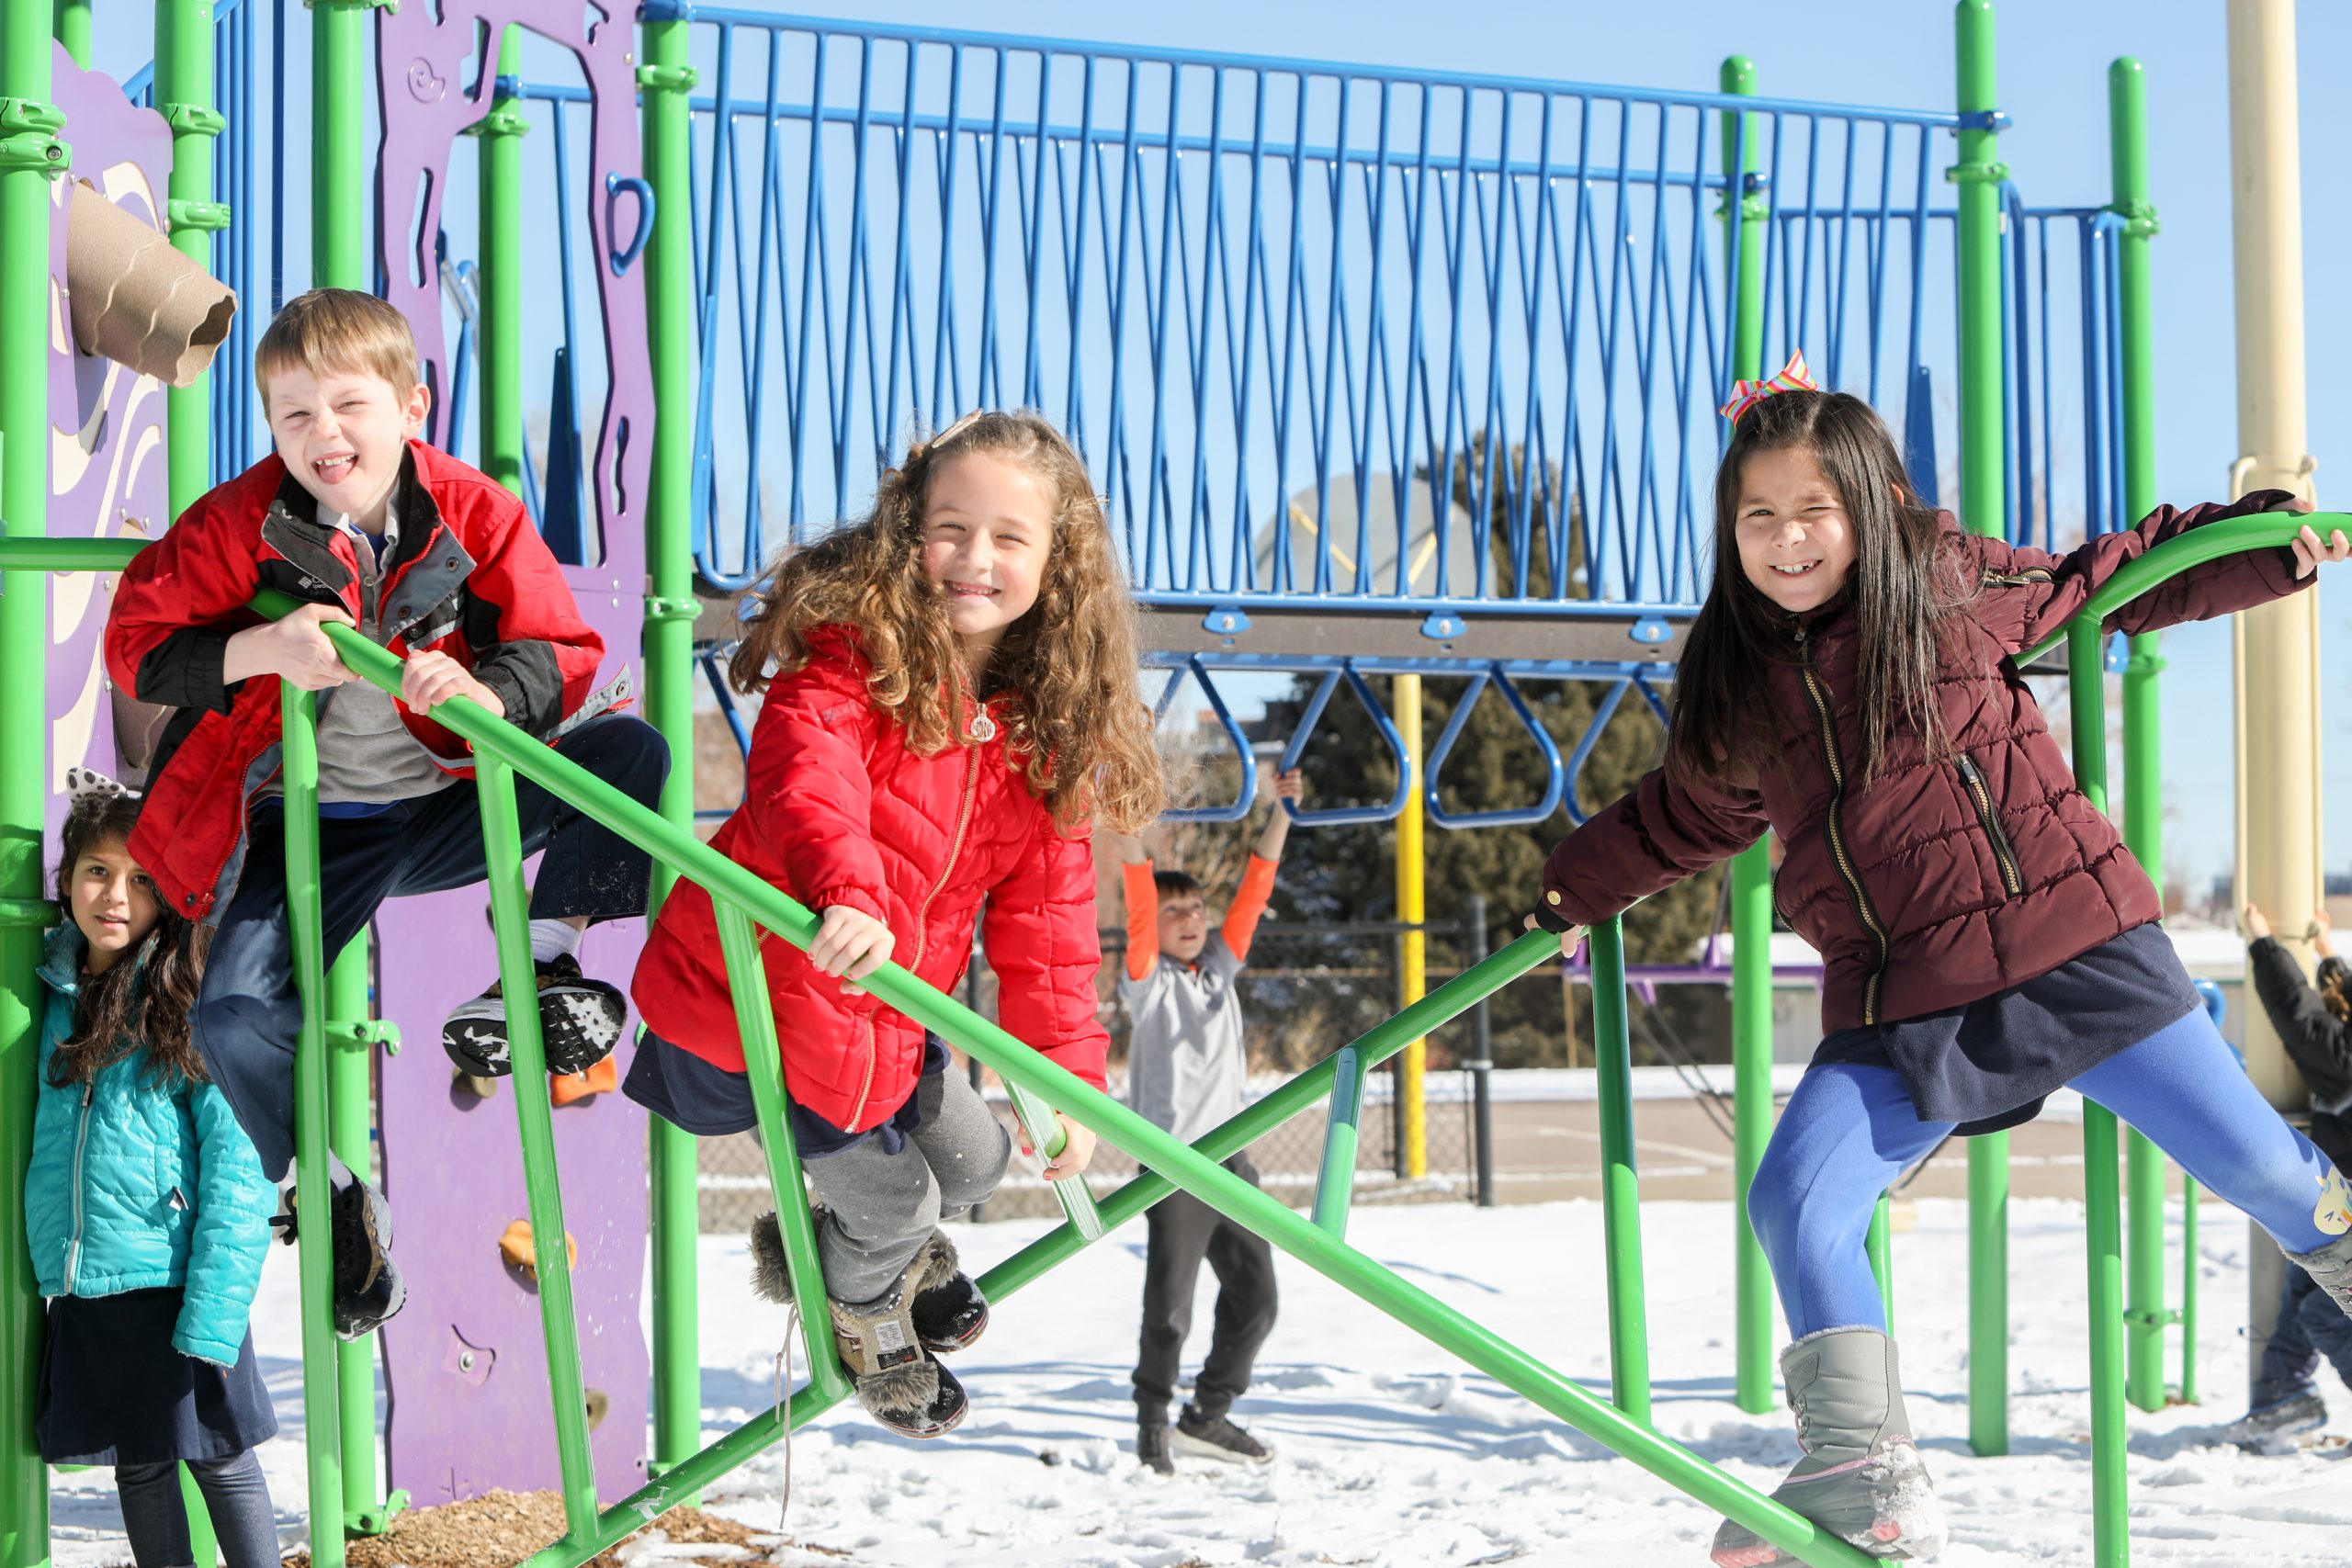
x: 248, y: 1016
x: 236, y: 1498
x: 1850, y: 1129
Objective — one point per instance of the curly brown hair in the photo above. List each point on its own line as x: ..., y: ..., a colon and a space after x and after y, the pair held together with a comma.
x: 140, y: 1004
x: 1066, y: 670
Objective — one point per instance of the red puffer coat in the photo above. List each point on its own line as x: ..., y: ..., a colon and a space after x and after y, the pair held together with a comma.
x: 837, y: 811
x: 1936, y: 884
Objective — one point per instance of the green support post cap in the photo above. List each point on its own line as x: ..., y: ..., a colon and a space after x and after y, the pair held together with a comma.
x: 28, y: 137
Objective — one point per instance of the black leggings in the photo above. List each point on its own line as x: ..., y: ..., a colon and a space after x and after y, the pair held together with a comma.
x: 236, y: 1496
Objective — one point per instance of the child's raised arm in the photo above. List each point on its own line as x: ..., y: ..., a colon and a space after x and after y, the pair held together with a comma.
x: 1257, y: 888
x: 2025, y: 595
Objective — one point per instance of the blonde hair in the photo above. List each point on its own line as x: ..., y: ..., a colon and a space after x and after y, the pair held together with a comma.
x: 1066, y: 670
x: 331, y: 330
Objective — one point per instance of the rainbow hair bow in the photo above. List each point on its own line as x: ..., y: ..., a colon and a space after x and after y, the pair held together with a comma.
x: 1746, y: 395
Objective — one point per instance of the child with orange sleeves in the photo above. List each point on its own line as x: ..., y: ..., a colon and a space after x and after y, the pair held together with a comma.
x: 1187, y: 1072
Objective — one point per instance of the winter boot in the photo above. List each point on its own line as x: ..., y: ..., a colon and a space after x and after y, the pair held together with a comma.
x: 947, y: 1317
x: 2330, y: 1267
x: 1861, y: 1478
x: 898, y: 1382
x: 2280, y: 1426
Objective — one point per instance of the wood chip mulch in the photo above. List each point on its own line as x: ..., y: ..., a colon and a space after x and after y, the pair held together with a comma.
x: 498, y: 1530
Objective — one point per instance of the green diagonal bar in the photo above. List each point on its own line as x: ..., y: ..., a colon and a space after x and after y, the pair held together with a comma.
x: 747, y: 983
x: 510, y: 918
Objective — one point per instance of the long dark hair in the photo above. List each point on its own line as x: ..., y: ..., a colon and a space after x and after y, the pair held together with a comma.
x: 1901, y: 587
x: 141, y: 1002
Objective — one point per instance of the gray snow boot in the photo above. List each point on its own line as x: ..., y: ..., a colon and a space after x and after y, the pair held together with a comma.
x: 2330, y: 1267
x: 898, y: 1382
x: 949, y: 1316
x: 879, y: 1341
x: 1861, y: 1478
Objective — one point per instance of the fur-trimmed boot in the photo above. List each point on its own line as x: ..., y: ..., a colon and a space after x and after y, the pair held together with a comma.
x: 2330, y: 1267
x: 948, y: 1316
x: 1861, y: 1478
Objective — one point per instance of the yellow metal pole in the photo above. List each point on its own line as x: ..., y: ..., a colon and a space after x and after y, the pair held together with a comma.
x: 1410, y: 906
x: 2279, y: 838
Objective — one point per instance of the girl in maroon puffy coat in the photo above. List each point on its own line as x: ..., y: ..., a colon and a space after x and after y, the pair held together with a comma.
x: 950, y: 706
x: 1986, y: 936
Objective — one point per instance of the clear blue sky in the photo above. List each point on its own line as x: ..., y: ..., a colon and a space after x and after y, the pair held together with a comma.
x: 2053, y: 62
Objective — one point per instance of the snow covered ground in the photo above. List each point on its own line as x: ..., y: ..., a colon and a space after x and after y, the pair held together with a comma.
x: 1392, y: 1453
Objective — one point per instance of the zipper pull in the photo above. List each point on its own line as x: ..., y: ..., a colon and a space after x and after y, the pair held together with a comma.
x: 1800, y: 634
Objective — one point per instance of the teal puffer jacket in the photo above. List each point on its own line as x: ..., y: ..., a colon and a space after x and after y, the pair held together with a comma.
x: 135, y: 1186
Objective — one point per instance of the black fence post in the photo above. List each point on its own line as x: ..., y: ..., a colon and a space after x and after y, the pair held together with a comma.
x: 1482, y: 1059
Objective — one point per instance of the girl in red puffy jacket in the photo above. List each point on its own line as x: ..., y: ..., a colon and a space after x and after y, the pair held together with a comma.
x: 950, y: 707
x: 1986, y: 936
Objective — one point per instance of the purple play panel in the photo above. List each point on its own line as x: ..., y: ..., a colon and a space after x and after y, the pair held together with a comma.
x: 466, y: 1361
x: 107, y: 475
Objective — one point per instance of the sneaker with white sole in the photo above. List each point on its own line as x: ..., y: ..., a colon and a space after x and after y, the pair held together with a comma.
x: 1216, y: 1438
x: 580, y: 1022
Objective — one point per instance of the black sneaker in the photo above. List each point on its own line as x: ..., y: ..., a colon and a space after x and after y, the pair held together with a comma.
x: 1151, y: 1447
x: 949, y: 1317
x: 2280, y: 1426
x: 368, y: 1285
x: 1214, y: 1436
x: 580, y: 1022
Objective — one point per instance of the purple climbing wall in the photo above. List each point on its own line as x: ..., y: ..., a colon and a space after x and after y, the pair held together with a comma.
x: 465, y: 1363
x: 106, y: 474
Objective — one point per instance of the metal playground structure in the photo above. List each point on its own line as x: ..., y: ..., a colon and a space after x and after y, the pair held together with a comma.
x: 1287, y: 309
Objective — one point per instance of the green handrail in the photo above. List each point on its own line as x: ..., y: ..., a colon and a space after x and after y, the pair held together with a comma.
x: 745, y: 900
x: 2229, y: 536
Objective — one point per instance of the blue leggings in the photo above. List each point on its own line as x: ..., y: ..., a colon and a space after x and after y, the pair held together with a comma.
x: 1849, y: 1129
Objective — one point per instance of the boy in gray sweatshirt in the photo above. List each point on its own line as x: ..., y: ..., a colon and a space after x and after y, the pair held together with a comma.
x: 1187, y: 1072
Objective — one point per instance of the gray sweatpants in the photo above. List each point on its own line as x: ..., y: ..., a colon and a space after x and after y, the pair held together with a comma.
x: 885, y: 1204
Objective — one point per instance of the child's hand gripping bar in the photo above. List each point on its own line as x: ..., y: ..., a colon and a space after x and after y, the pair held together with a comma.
x: 1047, y: 1136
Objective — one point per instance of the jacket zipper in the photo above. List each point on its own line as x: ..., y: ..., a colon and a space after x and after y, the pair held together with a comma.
x: 923, y: 912
x: 1974, y: 777
x: 1815, y: 690
x: 81, y: 1140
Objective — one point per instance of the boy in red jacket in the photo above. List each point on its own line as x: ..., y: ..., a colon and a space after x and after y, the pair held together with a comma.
x: 370, y: 527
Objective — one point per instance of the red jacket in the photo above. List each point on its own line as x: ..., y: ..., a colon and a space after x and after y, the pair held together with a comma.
x: 837, y: 811
x: 1935, y: 883
x: 470, y: 577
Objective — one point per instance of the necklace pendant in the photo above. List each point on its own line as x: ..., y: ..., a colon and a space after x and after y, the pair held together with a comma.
x: 983, y: 728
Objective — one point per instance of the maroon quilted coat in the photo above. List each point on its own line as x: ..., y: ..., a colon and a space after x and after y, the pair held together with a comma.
x: 837, y: 811
x: 1935, y: 883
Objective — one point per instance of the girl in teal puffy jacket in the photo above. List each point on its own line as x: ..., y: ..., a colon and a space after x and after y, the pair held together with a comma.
x: 147, y: 1214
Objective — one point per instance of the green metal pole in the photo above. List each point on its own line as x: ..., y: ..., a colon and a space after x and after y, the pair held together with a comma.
x: 29, y: 153
x: 1983, y: 487
x: 502, y: 836
x: 184, y: 98
x: 500, y: 156
x: 666, y: 80
x: 73, y: 29
x: 339, y: 186
x: 2127, y: 102
x: 322, y: 1406
x: 1879, y: 1243
x: 2102, y: 1197
x: 1746, y: 228
x: 1620, y: 1191
x: 1335, y: 1178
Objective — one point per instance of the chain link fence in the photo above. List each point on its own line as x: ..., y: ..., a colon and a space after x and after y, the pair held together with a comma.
x: 1308, y: 990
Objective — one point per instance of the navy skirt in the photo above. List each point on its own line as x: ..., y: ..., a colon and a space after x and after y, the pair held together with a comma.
x: 1988, y: 1065
x: 114, y: 1392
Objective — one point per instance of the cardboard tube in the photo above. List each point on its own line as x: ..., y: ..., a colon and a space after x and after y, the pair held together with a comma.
x: 135, y: 300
